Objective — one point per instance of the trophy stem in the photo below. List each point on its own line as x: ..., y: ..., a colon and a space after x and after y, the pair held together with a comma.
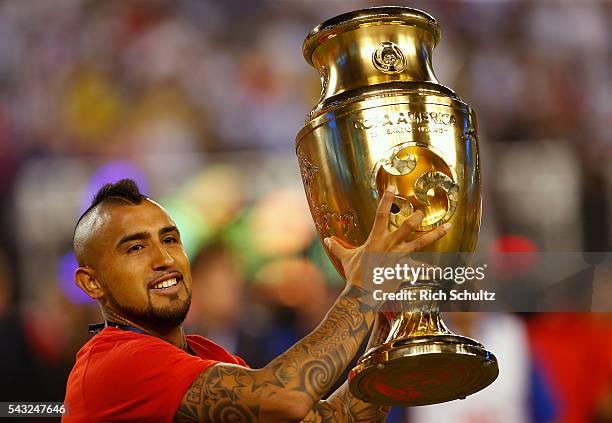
x: 421, y: 361
x: 423, y: 315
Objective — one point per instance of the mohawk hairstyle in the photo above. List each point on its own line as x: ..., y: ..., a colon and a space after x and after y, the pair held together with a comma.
x: 125, y: 189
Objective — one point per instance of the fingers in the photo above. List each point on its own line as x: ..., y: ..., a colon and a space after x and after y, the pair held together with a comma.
x: 426, y: 239
x: 381, y: 222
x: 408, y: 227
x: 335, y: 247
x: 343, y: 243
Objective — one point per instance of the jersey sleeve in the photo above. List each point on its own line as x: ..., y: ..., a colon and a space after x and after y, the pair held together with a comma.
x: 239, y: 361
x: 140, y: 381
x: 206, y: 348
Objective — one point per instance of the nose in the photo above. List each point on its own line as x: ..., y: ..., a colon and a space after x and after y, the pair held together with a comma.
x: 163, y: 259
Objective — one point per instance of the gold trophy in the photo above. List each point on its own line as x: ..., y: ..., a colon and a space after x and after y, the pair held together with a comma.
x: 384, y: 119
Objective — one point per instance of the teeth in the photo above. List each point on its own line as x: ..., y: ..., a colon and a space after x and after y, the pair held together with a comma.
x: 165, y: 284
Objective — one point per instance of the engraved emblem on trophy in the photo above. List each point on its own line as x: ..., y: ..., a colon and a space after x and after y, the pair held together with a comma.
x: 384, y: 119
x: 388, y: 58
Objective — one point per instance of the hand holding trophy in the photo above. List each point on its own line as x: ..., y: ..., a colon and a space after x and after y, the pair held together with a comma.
x: 382, y: 241
x: 384, y: 120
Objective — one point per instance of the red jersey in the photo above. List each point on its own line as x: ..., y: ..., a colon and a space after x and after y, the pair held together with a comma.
x: 125, y: 376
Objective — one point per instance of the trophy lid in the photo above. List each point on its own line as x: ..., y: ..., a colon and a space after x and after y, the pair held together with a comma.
x: 388, y: 15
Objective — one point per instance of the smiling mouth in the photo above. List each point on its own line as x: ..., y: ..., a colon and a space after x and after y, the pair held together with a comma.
x: 168, y: 283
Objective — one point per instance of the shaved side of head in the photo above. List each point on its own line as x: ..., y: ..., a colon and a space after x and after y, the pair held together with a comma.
x: 87, y: 226
x: 123, y: 192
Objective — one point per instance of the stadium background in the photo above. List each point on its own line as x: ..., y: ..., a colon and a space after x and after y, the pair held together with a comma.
x: 200, y: 101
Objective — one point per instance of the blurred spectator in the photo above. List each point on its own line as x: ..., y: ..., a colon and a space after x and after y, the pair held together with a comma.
x: 574, y: 351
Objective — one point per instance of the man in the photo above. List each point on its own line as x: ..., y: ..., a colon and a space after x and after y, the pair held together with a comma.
x: 142, y: 367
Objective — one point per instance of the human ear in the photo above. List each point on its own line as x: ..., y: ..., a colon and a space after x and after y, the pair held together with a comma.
x: 85, y: 279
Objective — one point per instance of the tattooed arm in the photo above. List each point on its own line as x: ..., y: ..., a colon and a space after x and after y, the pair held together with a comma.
x: 342, y: 406
x: 288, y: 388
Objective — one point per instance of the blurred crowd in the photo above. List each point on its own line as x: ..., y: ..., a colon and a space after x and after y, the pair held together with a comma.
x: 200, y: 101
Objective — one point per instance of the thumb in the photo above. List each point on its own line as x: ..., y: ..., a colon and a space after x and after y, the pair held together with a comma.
x: 337, y: 249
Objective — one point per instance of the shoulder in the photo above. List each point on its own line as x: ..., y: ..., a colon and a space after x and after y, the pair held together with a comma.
x: 207, y: 349
x: 132, y: 376
x: 107, y: 369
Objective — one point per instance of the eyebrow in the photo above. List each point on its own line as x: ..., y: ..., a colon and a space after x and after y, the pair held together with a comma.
x: 145, y: 235
x: 167, y: 229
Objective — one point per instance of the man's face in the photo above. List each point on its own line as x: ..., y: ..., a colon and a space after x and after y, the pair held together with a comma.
x: 142, y: 266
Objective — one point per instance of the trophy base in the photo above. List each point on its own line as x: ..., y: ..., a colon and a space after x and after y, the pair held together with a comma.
x: 423, y: 370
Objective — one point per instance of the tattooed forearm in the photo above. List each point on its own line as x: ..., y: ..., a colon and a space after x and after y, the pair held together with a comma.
x: 293, y: 383
x: 343, y: 407
x: 313, y: 365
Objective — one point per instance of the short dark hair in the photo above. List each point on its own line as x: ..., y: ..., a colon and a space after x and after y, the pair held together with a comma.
x: 125, y: 191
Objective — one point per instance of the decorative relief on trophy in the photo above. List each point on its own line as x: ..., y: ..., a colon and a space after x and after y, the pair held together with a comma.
x: 388, y: 58
x: 308, y: 172
x: 397, y: 166
x: 325, y: 219
x: 432, y: 180
x: 424, y: 181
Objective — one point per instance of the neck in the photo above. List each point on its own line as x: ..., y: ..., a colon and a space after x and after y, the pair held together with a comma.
x: 173, y: 335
